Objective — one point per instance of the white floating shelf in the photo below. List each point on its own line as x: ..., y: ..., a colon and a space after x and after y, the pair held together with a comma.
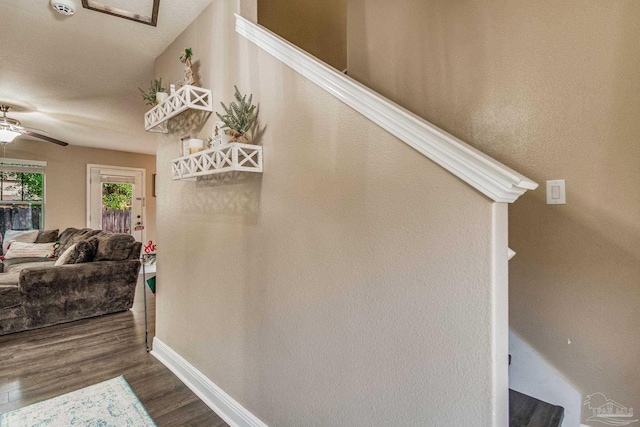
x: 234, y: 156
x: 187, y: 97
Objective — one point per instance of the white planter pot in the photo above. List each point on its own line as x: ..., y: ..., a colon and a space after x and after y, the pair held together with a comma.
x: 161, y: 97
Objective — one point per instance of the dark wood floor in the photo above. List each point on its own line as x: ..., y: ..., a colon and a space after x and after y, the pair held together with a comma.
x: 44, y: 363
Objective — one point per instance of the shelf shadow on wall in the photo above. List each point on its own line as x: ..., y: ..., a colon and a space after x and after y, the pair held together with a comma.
x: 188, y: 122
x: 232, y: 197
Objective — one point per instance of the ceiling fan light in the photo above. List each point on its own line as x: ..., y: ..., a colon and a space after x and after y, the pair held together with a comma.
x: 8, y: 135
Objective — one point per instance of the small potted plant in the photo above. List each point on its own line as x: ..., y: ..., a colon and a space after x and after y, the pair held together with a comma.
x: 156, y: 93
x: 239, y: 117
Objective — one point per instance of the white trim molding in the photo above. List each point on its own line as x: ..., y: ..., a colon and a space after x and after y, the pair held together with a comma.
x: 213, y: 396
x: 487, y: 175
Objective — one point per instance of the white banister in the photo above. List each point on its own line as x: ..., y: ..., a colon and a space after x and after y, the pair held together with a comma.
x: 482, y: 172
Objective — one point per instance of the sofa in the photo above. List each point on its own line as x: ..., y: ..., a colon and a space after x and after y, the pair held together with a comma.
x: 89, y: 273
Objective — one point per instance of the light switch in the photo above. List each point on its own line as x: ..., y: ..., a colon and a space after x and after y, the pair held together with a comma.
x: 556, y: 193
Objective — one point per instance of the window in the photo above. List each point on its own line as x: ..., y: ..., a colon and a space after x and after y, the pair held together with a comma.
x: 21, y: 195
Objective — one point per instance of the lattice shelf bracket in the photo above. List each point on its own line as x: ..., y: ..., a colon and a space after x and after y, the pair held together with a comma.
x: 187, y: 97
x: 231, y: 157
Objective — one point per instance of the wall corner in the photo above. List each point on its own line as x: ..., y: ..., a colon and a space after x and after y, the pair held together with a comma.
x: 248, y: 9
x: 500, y: 315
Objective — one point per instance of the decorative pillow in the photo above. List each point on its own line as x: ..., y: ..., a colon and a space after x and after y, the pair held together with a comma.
x: 114, y: 247
x: 47, y: 236
x: 62, y: 260
x: 86, y: 250
x: 30, y: 250
x: 25, y: 236
x: 73, y: 235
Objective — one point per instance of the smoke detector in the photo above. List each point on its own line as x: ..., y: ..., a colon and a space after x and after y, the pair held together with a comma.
x: 63, y: 7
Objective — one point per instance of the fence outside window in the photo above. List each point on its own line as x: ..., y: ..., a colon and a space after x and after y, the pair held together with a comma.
x: 21, y: 198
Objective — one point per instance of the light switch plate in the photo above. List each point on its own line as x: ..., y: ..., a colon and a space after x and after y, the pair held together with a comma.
x: 556, y: 192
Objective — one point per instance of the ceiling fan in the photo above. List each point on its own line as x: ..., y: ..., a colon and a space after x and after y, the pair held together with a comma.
x: 11, y: 128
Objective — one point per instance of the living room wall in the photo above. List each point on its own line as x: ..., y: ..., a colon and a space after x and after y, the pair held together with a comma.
x: 66, y: 179
x: 349, y: 284
x: 551, y: 89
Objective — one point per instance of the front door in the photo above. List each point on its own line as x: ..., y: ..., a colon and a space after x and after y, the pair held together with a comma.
x: 116, y: 200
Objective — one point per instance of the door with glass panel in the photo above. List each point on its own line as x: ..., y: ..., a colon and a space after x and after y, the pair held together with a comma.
x: 116, y: 200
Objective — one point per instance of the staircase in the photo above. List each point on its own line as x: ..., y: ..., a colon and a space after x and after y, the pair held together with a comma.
x: 527, y: 411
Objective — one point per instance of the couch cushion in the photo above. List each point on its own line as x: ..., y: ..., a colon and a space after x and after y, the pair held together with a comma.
x: 9, y: 290
x: 67, y: 256
x: 114, y: 247
x: 17, y: 268
x: 7, y: 263
x: 73, y: 235
x: 86, y: 250
x: 30, y: 250
x: 26, y: 236
x: 47, y: 236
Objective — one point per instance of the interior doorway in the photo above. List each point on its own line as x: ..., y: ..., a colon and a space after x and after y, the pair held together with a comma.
x: 116, y: 199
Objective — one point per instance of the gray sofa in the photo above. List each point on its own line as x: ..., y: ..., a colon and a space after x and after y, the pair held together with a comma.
x: 100, y: 278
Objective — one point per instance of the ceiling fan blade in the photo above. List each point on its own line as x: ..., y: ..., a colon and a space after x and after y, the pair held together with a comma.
x: 44, y: 137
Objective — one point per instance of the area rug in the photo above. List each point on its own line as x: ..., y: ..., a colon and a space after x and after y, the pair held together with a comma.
x: 108, y: 404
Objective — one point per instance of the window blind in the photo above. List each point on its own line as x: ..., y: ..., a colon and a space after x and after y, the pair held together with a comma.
x: 19, y: 165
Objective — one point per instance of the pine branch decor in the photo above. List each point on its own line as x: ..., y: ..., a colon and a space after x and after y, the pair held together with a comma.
x: 239, y: 115
x: 154, y: 87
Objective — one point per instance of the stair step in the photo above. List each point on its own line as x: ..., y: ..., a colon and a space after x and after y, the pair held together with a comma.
x: 527, y: 411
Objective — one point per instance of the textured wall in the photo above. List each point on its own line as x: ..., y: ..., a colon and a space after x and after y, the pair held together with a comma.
x: 551, y: 89
x: 66, y: 179
x: 330, y: 289
x: 319, y: 27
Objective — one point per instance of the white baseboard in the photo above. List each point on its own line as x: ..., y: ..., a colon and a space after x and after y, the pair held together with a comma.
x: 213, y: 396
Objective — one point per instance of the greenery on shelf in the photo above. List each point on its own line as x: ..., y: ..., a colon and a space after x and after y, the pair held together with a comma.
x: 188, y: 53
x: 239, y: 115
x: 155, y: 86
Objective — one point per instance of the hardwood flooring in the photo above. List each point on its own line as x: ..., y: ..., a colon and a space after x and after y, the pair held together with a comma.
x: 45, y: 363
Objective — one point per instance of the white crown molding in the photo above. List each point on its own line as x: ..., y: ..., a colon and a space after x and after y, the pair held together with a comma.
x: 213, y: 396
x: 487, y: 175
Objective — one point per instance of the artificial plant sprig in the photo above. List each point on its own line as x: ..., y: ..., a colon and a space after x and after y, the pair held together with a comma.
x: 239, y: 115
x: 154, y: 87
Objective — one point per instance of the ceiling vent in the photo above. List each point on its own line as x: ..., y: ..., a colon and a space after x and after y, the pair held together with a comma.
x: 63, y: 7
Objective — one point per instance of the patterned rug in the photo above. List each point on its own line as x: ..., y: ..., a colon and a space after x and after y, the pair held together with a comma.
x: 108, y: 404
